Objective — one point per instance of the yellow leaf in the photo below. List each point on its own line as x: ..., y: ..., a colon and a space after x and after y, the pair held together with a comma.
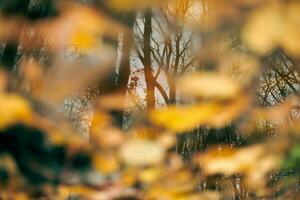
x: 185, y: 118
x: 129, y: 177
x: 292, y: 30
x: 57, y: 138
x: 150, y: 175
x: 177, y: 185
x: 264, y: 29
x: 83, y: 39
x: 78, y: 26
x: 208, y: 85
x: 105, y: 163
x: 229, y: 112
x: 225, y: 160
x: 107, y: 137
x: 125, y: 5
x: 253, y: 161
x: 167, y: 140
x: 21, y: 196
x: 13, y: 109
x: 64, y: 192
x: 142, y: 152
x: 276, y: 24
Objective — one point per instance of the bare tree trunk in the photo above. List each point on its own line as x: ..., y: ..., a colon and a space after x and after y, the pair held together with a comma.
x: 124, y: 70
x: 149, y: 78
x: 174, y: 68
x: 117, y: 82
x: 172, y: 92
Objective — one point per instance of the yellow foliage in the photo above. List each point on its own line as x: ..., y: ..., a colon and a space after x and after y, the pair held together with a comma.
x: 105, y: 163
x: 83, y: 39
x: 292, y: 29
x: 275, y: 24
x: 251, y: 161
x: 208, y: 85
x: 150, y: 175
x: 129, y: 177
x: 141, y: 159
x: 142, y: 152
x: 264, y: 29
x: 13, y: 109
x: 125, y: 5
x: 81, y: 27
x: 185, y: 118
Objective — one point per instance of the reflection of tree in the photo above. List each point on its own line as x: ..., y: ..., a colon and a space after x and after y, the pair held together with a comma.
x: 170, y: 50
x: 171, y: 54
x: 117, y: 80
x: 278, y: 81
x: 163, y: 51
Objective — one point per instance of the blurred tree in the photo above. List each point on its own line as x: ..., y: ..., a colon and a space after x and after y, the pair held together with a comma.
x: 11, y: 48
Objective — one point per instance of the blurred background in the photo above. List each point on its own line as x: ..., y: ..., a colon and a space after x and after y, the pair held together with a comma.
x: 129, y: 99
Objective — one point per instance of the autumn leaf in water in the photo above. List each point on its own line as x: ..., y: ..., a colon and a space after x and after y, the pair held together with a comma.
x: 142, y: 152
x: 13, y: 109
x: 208, y: 85
x: 105, y: 163
x: 264, y: 29
x: 185, y: 118
x: 253, y: 161
x: 79, y: 26
x: 292, y: 29
x: 95, y: 93
x: 273, y: 25
x: 127, y: 5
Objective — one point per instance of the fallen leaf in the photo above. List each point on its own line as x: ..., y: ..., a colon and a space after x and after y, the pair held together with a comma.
x: 107, y: 137
x: 185, y: 118
x: 105, y: 163
x: 253, y: 161
x: 142, y: 152
x: 208, y: 85
x: 127, y: 5
x: 292, y: 29
x: 13, y: 109
x: 273, y: 25
x: 265, y: 27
